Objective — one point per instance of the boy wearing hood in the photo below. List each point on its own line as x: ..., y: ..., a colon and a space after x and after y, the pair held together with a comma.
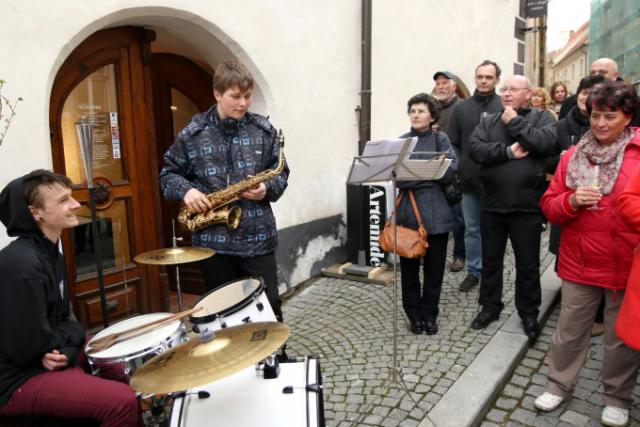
x: 40, y: 339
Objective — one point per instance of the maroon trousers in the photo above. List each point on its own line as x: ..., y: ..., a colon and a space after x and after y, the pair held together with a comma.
x: 72, y: 393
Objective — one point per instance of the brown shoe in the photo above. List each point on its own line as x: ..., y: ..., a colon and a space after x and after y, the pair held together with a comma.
x: 457, y: 265
x: 597, y: 329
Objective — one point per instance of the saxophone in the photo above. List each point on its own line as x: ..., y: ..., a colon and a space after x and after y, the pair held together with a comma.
x: 222, y: 212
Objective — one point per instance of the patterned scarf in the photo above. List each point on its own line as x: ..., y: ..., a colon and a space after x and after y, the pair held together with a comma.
x: 590, y: 152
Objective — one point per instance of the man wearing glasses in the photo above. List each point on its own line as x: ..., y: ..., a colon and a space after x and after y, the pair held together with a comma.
x: 511, y: 147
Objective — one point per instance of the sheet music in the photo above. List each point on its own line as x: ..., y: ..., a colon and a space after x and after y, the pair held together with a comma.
x: 380, y: 157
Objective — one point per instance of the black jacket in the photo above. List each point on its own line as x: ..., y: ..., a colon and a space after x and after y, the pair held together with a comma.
x: 35, y: 315
x: 508, y: 184
x: 464, y: 119
x: 569, y: 131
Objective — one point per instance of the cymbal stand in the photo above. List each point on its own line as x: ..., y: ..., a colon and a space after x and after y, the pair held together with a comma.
x: 175, y: 240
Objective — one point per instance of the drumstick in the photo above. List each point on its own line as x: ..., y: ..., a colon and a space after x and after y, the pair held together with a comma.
x: 107, y: 341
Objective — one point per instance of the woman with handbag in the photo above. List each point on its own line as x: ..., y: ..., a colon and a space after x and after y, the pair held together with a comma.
x: 420, y: 302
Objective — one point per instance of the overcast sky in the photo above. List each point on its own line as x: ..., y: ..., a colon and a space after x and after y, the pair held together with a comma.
x: 564, y: 16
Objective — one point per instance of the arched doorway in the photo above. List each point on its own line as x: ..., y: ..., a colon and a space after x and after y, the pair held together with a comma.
x: 110, y: 80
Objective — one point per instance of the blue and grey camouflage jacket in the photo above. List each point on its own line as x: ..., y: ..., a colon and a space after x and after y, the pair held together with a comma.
x: 210, y: 154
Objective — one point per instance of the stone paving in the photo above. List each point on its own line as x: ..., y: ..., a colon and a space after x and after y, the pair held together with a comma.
x: 350, y: 324
x: 514, y: 405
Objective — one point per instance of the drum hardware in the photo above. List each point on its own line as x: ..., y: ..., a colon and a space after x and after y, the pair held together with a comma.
x: 130, y: 354
x: 195, y: 363
x: 174, y: 256
x: 269, y: 368
x: 294, y: 399
x: 124, y: 268
x: 106, y: 341
x: 237, y: 302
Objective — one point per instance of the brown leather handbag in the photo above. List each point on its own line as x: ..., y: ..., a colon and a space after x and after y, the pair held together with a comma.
x: 411, y: 243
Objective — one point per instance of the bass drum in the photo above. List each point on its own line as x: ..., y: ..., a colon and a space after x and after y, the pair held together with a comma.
x: 294, y: 399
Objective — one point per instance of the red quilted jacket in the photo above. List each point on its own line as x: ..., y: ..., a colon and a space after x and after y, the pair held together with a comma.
x: 596, y: 246
x: 628, y: 323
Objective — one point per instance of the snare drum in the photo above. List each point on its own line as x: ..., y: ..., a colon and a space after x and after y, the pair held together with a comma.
x: 294, y: 399
x: 235, y: 303
x: 132, y: 353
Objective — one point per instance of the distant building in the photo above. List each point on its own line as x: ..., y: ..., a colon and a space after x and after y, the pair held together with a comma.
x: 614, y: 30
x: 570, y: 63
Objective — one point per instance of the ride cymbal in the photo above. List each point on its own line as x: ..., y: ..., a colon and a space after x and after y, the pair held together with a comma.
x: 196, y: 363
x: 179, y: 255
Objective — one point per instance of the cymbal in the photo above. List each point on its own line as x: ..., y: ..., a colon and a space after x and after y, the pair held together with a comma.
x: 179, y: 255
x: 196, y: 363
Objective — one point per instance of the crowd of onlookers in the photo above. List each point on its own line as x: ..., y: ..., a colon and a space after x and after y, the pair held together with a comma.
x: 523, y: 156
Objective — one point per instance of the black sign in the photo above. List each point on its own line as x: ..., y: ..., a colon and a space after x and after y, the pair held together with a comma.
x: 377, y: 218
x: 536, y: 8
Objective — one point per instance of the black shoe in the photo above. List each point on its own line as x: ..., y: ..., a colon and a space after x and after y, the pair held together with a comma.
x: 483, y: 319
x: 531, y: 329
x: 430, y: 327
x: 469, y: 282
x: 416, y: 327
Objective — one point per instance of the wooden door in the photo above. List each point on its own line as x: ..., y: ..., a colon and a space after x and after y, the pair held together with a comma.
x: 181, y: 89
x: 106, y: 81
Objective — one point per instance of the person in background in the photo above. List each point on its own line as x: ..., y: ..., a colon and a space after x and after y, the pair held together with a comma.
x: 629, y: 316
x: 445, y: 92
x: 420, y: 302
x: 464, y: 119
x: 559, y: 93
x: 540, y: 99
x: 511, y: 149
x: 570, y: 131
x: 596, y: 249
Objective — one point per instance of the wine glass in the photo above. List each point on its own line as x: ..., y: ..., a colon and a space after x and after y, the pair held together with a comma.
x: 593, y: 180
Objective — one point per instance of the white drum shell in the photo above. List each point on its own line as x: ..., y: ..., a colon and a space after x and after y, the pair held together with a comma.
x: 240, y: 306
x: 132, y: 353
x: 245, y: 399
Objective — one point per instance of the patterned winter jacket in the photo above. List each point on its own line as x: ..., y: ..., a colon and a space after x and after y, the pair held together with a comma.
x: 210, y: 154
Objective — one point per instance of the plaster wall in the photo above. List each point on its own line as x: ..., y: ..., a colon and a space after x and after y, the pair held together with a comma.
x: 305, y: 56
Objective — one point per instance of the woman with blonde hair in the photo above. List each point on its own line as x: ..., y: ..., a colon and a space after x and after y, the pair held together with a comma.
x: 540, y: 99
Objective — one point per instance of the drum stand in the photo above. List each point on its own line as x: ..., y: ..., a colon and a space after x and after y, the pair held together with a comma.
x: 174, y: 241
x: 388, y: 170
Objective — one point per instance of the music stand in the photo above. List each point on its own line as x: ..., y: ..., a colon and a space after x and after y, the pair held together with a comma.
x: 395, y: 160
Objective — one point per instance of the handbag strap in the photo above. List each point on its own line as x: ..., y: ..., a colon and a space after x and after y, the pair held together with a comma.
x: 415, y: 208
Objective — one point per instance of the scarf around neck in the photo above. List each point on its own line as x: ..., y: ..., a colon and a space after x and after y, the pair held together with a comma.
x: 589, y: 153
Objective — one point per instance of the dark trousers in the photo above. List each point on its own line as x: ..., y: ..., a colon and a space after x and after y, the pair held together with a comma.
x: 421, y: 302
x: 220, y: 269
x: 458, y: 232
x: 523, y: 229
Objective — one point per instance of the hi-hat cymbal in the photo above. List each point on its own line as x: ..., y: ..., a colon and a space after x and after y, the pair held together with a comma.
x: 196, y: 363
x: 180, y: 255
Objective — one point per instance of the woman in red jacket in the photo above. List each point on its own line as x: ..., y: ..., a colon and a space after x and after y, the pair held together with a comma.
x: 596, y: 247
x: 628, y: 324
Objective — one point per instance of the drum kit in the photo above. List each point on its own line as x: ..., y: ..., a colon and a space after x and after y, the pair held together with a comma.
x: 210, y: 376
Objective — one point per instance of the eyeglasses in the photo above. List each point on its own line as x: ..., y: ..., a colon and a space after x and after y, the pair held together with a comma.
x: 510, y: 89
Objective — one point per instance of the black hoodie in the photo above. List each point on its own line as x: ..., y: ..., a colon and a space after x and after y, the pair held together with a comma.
x: 35, y: 315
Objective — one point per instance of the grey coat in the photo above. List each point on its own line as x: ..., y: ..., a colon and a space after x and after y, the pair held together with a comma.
x: 434, y: 209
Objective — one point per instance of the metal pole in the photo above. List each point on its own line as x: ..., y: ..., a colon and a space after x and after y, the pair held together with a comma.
x: 85, y: 138
x: 96, y: 245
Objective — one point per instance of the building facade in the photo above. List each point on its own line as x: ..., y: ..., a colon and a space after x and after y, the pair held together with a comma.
x: 141, y: 68
x: 614, y: 33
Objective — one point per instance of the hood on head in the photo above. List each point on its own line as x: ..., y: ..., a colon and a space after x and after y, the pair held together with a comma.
x: 15, y: 213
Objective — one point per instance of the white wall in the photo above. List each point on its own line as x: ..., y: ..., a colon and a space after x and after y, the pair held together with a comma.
x: 305, y: 56
x: 414, y: 39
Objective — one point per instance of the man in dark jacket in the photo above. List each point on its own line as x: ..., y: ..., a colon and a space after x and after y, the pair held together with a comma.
x: 511, y: 148
x: 445, y: 91
x: 40, y: 340
x: 224, y: 146
x: 464, y: 119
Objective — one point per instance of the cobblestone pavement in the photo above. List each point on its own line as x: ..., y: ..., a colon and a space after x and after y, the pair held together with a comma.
x: 514, y: 405
x: 350, y: 324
